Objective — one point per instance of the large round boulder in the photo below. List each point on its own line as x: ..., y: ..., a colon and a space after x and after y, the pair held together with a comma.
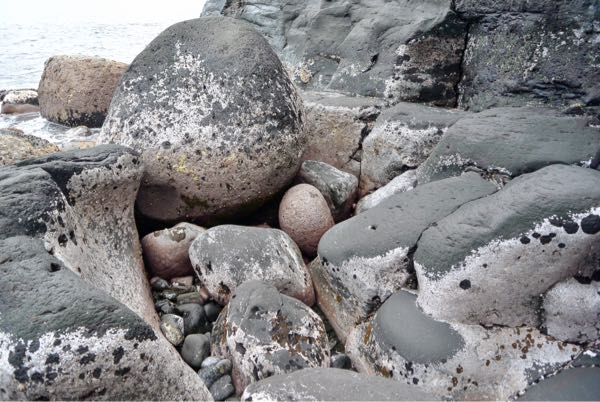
x: 218, y: 121
x: 77, y: 90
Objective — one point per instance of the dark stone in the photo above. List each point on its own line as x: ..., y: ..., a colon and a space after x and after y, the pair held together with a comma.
x: 212, y: 311
x: 194, y: 318
x: 222, y: 388
x: 341, y: 361
x: 195, y: 349
x: 590, y: 224
x: 209, y: 375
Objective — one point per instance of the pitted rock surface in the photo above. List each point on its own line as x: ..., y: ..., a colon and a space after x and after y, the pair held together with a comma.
x: 216, y: 118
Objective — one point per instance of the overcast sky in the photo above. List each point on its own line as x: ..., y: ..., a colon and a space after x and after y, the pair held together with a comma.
x: 62, y: 11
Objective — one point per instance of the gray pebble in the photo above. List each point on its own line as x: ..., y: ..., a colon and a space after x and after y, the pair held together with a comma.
x: 194, y: 318
x: 212, y: 310
x: 169, y: 295
x: 164, y: 306
x: 222, y: 388
x: 210, y: 361
x: 340, y: 361
x: 196, y: 348
x: 211, y: 374
x: 159, y: 283
x: 172, y: 327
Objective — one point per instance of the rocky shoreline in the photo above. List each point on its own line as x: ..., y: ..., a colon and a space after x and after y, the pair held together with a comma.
x: 306, y: 201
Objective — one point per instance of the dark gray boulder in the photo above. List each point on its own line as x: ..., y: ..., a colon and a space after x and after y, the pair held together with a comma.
x: 492, y: 260
x: 529, y: 52
x: 365, y: 259
x: 339, y: 188
x: 226, y: 256
x: 331, y: 384
x: 403, y: 49
x: 218, y: 121
x: 265, y: 333
x: 507, y: 142
x: 402, y: 138
x: 453, y: 361
x: 77, y: 317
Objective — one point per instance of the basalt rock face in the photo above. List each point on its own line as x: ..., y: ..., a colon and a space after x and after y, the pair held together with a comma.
x: 218, y: 122
x: 516, y: 53
x: 77, y: 319
x: 404, y: 50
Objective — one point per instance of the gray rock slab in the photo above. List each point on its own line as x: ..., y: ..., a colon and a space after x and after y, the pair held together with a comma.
x: 400, y: 184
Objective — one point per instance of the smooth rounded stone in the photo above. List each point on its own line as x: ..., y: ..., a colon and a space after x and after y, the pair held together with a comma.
x: 365, y: 259
x: 318, y: 384
x: 171, y: 326
x: 577, y: 384
x: 265, y: 333
x: 216, y: 117
x: 77, y: 90
x: 402, y: 138
x: 16, y: 147
x: 226, y: 256
x: 491, y: 260
x: 453, y: 361
x: 339, y: 188
x: 305, y: 216
x: 398, y: 50
x: 341, y: 361
x: 85, y: 345
x: 535, y: 72
x: 335, y: 127
x: 210, y: 361
x: 508, y: 142
x: 571, y: 311
x: 196, y: 348
x: 191, y: 297
x: 194, y: 318
x: 405, y: 182
x: 159, y: 284
x: 222, y: 388
x: 20, y: 101
x: 165, y: 306
x: 212, y: 311
x: 166, y: 251
x: 210, y: 374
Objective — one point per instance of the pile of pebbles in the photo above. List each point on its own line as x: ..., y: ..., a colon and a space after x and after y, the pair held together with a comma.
x: 187, y: 315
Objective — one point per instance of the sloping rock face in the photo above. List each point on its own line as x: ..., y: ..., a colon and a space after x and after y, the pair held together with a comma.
x: 16, y: 146
x: 516, y: 53
x: 77, y: 319
x: 216, y: 118
x: 404, y: 50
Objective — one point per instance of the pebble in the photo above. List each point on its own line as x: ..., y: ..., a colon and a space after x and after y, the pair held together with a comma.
x: 164, y: 306
x: 210, y: 361
x: 222, y: 388
x: 196, y: 348
x: 192, y: 297
x: 183, y: 281
x: 209, y: 375
x: 169, y: 295
x: 159, y: 284
x: 194, y: 318
x: 340, y: 361
x: 212, y: 310
x: 172, y: 327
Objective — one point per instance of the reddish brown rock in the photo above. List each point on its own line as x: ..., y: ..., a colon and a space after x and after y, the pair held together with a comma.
x: 166, y: 251
x: 305, y: 216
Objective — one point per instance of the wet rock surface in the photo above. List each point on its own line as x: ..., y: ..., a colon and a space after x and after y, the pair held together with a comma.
x: 216, y: 118
x: 16, y: 146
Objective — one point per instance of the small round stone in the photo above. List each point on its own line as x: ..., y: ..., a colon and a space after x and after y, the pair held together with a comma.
x: 590, y: 224
x: 341, y: 361
x: 305, y: 216
x: 210, y: 374
x: 222, y: 388
x: 159, y: 284
x: 194, y: 318
x: 210, y: 361
x: 164, y: 306
x: 172, y: 327
x: 212, y: 310
x: 196, y: 348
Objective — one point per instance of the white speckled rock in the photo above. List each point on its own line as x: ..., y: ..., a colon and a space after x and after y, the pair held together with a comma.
x: 572, y: 311
x: 453, y: 361
x: 166, y: 252
x: 405, y: 182
x: 216, y: 117
x: 267, y: 333
x: 491, y: 260
x: 226, y: 256
x: 305, y: 216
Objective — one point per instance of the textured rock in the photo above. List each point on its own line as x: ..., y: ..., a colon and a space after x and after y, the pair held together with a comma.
x: 222, y: 388
x: 400, y: 184
x: 226, y: 256
x: 20, y: 101
x: 490, y: 261
x: 537, y: 36
x: 171, y: 326
x: 218, y: 121
x: 572, y: 311
x: 577, y: 384
x: 77, y: 90
x: 267, y: 333
x: 339, y: 188
x: 211, y: 373
x: 70, y: 270
x: 335, y: 127
x: 363, y: 260
x: 166, y: 252
x: 15, y: 147
x: 507, y: 142
x: 402, y: 50
x: 453, y: 361
x: 318, y: 384
x: 305, y: 216
x: 402, y: 138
